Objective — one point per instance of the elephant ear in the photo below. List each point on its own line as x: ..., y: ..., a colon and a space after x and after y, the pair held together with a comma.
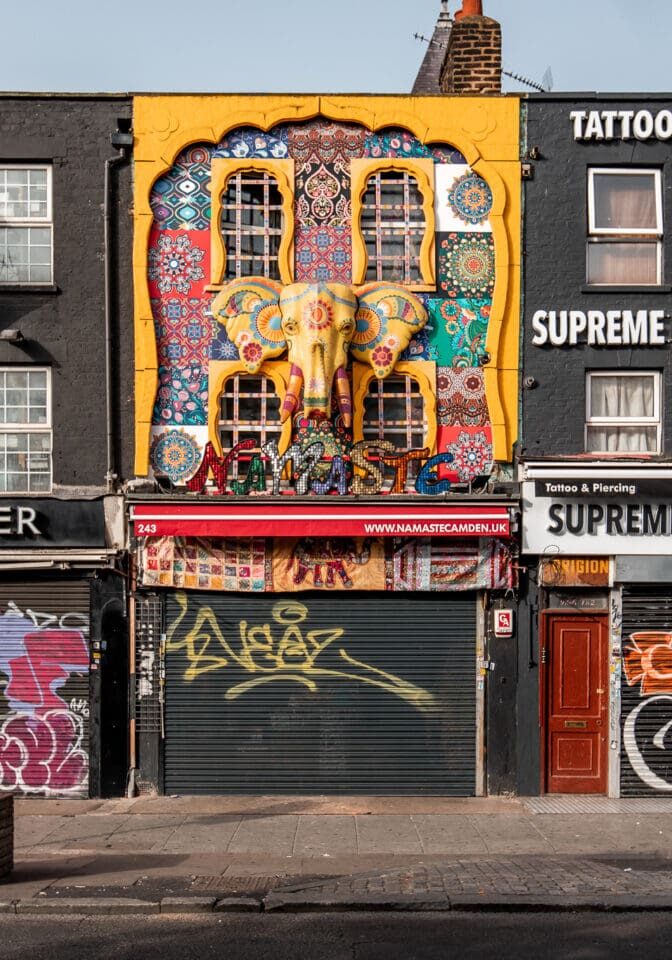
x: 249, y: 309
x: 387, y: 319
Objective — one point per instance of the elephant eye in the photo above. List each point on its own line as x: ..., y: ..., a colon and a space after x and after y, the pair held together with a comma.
x: 291, y: 327
x: 347, y: 327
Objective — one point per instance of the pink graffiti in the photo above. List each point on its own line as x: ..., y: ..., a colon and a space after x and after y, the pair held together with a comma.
x: 40, y: 739
x: 49, y: 659
x: 43, y: 754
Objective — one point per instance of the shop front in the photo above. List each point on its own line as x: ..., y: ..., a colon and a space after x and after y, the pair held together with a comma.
x: 597, y: 542
x: 62, y: 656
x: 333, y: 657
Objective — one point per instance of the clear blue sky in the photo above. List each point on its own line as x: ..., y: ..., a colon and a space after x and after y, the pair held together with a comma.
x: 313, y: 45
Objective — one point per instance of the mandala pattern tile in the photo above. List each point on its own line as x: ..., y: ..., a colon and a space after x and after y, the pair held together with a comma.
x: 461, y: 397
x: 182, y: 397
x: 323, y: 254
x: 184, y: 330
x: 462, y: 200
x: 471, y: 449
x: 466, y: 264
x: 253, y: 143
x: 458, y: 330
x: 175, y: 454
x: 401, y: 143
x: 178, y: 262
x: 181, y: 198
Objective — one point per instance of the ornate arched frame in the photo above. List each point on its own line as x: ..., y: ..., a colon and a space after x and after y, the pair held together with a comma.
x: 486, y: 131
x: 282, y: 172
x: 422, y: 171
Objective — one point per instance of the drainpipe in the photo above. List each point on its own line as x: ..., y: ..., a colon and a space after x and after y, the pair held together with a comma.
x: 123, y: 142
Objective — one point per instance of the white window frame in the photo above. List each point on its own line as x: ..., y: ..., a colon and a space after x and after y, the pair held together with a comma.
x: 604, y: 234
x: 44, y: 428
x: 46, y: 221
x: 654, y: 420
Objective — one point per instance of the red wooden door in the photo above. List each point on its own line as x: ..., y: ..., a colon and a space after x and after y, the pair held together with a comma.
x: 577, y: 703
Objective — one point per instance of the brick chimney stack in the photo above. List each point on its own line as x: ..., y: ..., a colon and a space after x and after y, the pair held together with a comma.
x: 473, y: 62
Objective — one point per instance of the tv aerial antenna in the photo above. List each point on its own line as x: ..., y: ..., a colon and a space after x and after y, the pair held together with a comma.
x: 545, y: 86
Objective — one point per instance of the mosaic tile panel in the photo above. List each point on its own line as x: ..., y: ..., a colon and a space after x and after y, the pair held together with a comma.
x: 182, y: 397
x: 466, y: 264
x: 176, y: 453
x: 184, y: 329
x: 180, y: 200
x: 179, y: 262
x: 461, y: 397
x: 458, y: 330
x: 471, y: 448
x: 323, y: 254
x: 322, y: 197
x: 253, y: 143
x: 401, y: 143
x: 462, y: 200
x: 323, y: 142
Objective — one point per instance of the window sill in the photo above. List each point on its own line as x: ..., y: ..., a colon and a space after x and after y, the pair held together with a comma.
x: 626, y: 288
x: 29, y: 288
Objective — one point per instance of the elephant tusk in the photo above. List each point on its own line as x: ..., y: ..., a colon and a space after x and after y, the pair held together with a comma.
x: 343, y: 395
x: 293, y: 393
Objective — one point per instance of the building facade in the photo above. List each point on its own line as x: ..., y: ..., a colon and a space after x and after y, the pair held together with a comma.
x: 66, y: 423
x: 326, y: 335
x: 596, y: 445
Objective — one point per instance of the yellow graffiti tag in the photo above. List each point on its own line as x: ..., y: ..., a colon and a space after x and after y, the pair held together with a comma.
x: 293, y: 656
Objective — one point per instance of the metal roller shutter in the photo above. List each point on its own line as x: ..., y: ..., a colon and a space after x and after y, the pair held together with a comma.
x: 320, y: 694
x: 44, y: 686
x: 646, y: 693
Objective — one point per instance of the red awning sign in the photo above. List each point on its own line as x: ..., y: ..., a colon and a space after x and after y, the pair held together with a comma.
x: 319, y: 520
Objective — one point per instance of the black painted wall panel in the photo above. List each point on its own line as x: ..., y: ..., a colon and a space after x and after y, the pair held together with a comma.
x: 65, y: 328
x: 554, y: 270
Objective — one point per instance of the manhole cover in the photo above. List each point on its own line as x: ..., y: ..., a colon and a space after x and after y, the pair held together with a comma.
x: 237, y: 884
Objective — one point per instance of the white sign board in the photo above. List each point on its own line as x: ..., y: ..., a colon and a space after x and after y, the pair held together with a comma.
x: 595, y: 526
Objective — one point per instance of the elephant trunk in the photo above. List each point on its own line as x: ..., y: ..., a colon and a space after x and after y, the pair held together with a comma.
x: 293, y: 395
x: 313, y: 401
x: 343, y: 395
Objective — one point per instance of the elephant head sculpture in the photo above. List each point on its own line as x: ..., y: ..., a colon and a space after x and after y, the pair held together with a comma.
x: 318, y: 325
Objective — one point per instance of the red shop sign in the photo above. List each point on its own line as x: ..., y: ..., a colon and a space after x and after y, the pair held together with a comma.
x: 308, y: 520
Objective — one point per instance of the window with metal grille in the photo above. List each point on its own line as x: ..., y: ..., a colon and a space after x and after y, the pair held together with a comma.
x: 393, y: 226
x: 25, y: 224
x: 251, y: 225
x: 394, y: 410
x: 25, y: 430
x: 249, y: 407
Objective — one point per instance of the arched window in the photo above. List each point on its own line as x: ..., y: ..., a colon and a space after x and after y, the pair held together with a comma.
x: 252, y: 226
x: 393, y: 218
x: 400, y: 408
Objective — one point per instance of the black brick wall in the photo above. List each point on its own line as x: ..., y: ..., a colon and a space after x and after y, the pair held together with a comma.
x: 65, y: 328
x: 555, y: 229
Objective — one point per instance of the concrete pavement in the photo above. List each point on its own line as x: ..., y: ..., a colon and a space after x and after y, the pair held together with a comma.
x: 293, y: 852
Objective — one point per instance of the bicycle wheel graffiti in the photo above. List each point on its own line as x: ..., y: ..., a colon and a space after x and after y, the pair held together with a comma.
x: 647, y: 728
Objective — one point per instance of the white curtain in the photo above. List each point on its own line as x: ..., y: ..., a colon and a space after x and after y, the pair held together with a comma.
x: 624, y: 202
x: 620, y: 397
